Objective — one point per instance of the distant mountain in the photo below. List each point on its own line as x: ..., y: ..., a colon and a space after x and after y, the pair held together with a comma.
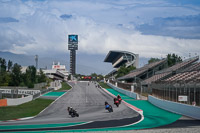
x: 86, y: 63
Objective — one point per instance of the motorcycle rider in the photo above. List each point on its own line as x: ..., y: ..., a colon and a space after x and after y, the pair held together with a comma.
x: 116, y: 102
x: 119, y: 98
x: 70, y: 110
x: 108, y: 107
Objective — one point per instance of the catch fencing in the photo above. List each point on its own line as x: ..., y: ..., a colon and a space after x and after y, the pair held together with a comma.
x: 181, y: 92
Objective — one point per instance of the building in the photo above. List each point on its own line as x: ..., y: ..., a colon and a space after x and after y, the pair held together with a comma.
x: 120, y: 58
x: 58, y: 72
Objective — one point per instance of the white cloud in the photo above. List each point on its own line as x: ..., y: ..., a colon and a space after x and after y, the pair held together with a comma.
x: 40, y: 29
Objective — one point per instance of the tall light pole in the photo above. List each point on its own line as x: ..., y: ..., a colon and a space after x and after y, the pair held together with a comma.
x: 36, y: 61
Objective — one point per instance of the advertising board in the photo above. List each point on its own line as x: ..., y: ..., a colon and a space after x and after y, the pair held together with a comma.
x: 182, y: 98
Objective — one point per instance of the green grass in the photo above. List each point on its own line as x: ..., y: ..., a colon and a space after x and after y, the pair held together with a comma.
x: 104, y: 85
x: 24, y: 110
x: 65, y: 87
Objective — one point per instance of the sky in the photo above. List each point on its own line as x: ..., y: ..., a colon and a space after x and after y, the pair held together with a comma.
x: 150, y: 28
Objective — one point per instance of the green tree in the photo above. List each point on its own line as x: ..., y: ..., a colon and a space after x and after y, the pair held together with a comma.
x: 41, y: 77
x: 94, y: 76
x: 2, y: 65
x: 9, y: 65
x: 69, y: 77
x: 15, y: 75
x: 30, y: 76
x: 100, y: 77
x: 4, y: 76
x: 153, y: 60
x: 172, y: 59
x: 123, y: 70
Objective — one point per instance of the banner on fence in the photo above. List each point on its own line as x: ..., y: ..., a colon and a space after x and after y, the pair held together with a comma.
x: 182, y: 98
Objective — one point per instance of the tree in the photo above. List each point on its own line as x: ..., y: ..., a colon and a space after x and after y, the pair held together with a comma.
x: 4, y: 76
x: 9, y: 65
x: 2, y: 65
x: 123, y: 70
x: 94, y: 75
x: 41, y: 77
x: 172, y: 59
x: 30, y: 76
x: 15, y: 75
x: 153, y: 60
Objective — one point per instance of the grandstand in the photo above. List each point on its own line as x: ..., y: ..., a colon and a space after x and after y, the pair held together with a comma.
x: 120, y: 58
x: 185, y: 81
x: 181, y: 79
x: 193, y: 67
x: 171, y: 70
x: 144, y: 72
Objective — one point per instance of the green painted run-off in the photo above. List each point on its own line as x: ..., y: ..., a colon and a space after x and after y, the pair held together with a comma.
x: 54, y: 94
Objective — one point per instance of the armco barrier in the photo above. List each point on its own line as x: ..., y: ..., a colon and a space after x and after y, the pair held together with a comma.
x: 18, y: 101
x: 128, y: 93
x: 183, y: 109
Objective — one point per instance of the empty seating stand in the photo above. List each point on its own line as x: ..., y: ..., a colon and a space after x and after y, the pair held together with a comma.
x: 167, y: 72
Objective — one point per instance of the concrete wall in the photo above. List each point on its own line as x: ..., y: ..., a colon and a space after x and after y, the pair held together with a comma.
x: 128, y: 93
x: 40, y: 85
x: 183, y: 109
x: 20, y: 91
x: 18, y: 101
x: 56, y: 84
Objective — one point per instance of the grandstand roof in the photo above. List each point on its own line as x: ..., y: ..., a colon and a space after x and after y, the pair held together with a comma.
x: 112, y: 55
x: 119, y: 58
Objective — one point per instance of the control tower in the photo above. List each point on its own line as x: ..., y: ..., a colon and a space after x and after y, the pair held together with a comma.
x: 73, y: 46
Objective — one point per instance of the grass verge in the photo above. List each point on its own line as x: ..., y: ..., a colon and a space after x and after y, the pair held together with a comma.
x: 104, y: 85
x: 65, y: 87
x: 24, y: 110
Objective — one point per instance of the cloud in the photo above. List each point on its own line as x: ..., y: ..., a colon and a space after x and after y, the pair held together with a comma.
x: 101, y: 26
x: 8, y: 20
x: 9, y: 39
x: 66, y: 16
x: 179, y: 27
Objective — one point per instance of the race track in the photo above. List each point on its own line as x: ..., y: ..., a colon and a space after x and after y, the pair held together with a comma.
x: 88, y: 100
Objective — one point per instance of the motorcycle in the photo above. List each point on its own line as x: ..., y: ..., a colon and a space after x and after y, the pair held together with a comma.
x: 73, y: 112
x: 119, y: 99
x: 116, y: 102
x: 109, y: 108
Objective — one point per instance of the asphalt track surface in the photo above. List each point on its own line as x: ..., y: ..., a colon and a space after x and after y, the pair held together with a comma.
x: 88, y: 100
